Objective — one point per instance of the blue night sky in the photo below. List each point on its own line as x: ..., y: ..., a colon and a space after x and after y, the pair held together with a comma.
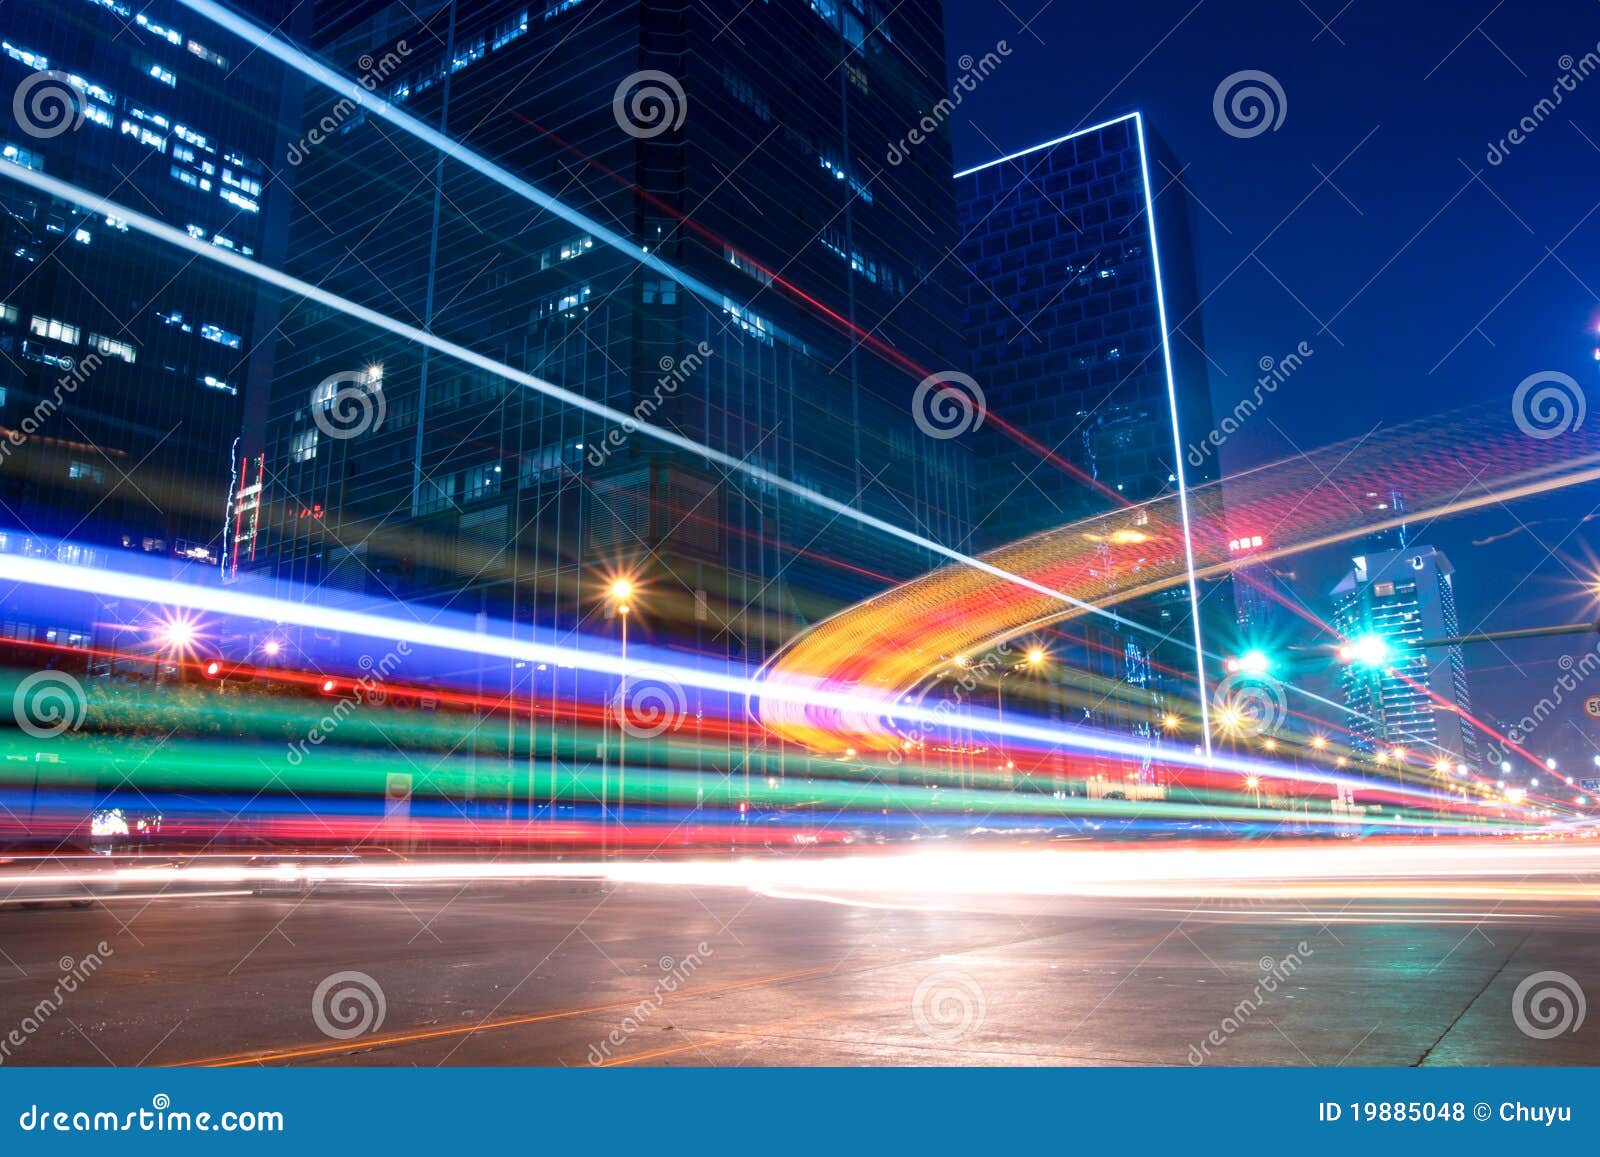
x: 1369, y: 224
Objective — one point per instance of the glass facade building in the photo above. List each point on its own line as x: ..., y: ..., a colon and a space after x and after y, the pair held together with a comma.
x: 804, y: 291
x: 1420, y: 698
x: 127, y: 366
x: 1084, y: 317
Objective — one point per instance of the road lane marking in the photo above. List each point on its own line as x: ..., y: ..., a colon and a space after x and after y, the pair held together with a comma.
x: 721, y: 1037
x: 230, y: 1060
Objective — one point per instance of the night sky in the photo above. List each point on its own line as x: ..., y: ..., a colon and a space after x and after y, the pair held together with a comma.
x: 1370, y: 224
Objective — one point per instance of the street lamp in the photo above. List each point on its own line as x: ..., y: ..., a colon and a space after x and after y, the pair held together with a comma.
x: 621, y: 591
x: 1033, y: 660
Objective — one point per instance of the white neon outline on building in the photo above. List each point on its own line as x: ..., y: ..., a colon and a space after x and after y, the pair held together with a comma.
x: 1172, y: 388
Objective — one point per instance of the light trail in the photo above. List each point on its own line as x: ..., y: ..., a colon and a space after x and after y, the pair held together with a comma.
x: 58, y: 576
x: 314, y: 69
x: 899, y: 639
x: 160, y: 231
x: 1446, y: 868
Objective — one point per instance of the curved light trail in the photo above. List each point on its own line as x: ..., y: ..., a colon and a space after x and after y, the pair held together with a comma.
x: 892, y: 644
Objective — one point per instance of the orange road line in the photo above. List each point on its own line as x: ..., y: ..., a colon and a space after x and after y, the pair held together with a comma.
x: 229, y: 1060
x: 728, y: 1036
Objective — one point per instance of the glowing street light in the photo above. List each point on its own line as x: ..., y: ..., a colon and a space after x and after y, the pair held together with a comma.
x: 621, y: 590
x: 1320, y: 742
x: 1170, y: 722
x: 1036, y: 656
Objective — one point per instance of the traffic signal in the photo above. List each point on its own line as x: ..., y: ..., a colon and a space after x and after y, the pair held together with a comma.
x: 1366, y: 650
x: 1250, y: 663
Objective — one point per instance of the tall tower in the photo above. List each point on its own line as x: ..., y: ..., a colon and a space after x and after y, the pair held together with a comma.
x: 125, y: 364
x: 767, y: 288
x: 1080, y: 284
x: 1416, y: 697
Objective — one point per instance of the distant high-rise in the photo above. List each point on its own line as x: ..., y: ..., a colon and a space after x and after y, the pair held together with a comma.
x: 1084, y: 318
x: 125, y: 364
x: 1416, y: 698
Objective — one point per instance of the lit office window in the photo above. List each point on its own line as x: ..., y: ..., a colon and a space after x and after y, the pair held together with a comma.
x: 303, y: 447
x: 204, y: 53
x: 221, y: 336
x: 55, y: 330
x: 170, y: 35
x: 113, y: 348
x: 23, y: 157
x: 193, y: 180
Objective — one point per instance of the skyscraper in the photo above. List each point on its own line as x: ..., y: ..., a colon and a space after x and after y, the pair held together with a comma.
x: 1416, y: 697
x: 125, y: 365
x: 1082, y: 308
x: 738, y: 275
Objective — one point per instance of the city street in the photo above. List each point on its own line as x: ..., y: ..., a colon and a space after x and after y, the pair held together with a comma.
x: 579, y: 972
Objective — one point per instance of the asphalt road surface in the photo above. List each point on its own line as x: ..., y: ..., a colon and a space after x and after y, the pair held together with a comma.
x: 580, y: 972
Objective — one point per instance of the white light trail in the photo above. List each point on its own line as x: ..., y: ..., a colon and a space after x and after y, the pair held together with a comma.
x: 162, y: 232
x: 1455, y: 869
x: 168, y: 593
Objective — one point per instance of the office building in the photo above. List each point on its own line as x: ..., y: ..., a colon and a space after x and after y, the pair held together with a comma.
x: 803, y: 296
x: 1416, y: 698
x: 1084, y: 316
x: 126, y: 365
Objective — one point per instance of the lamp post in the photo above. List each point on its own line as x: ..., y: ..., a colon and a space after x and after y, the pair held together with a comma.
x: 1032, y: 661
x: 621, y: 591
